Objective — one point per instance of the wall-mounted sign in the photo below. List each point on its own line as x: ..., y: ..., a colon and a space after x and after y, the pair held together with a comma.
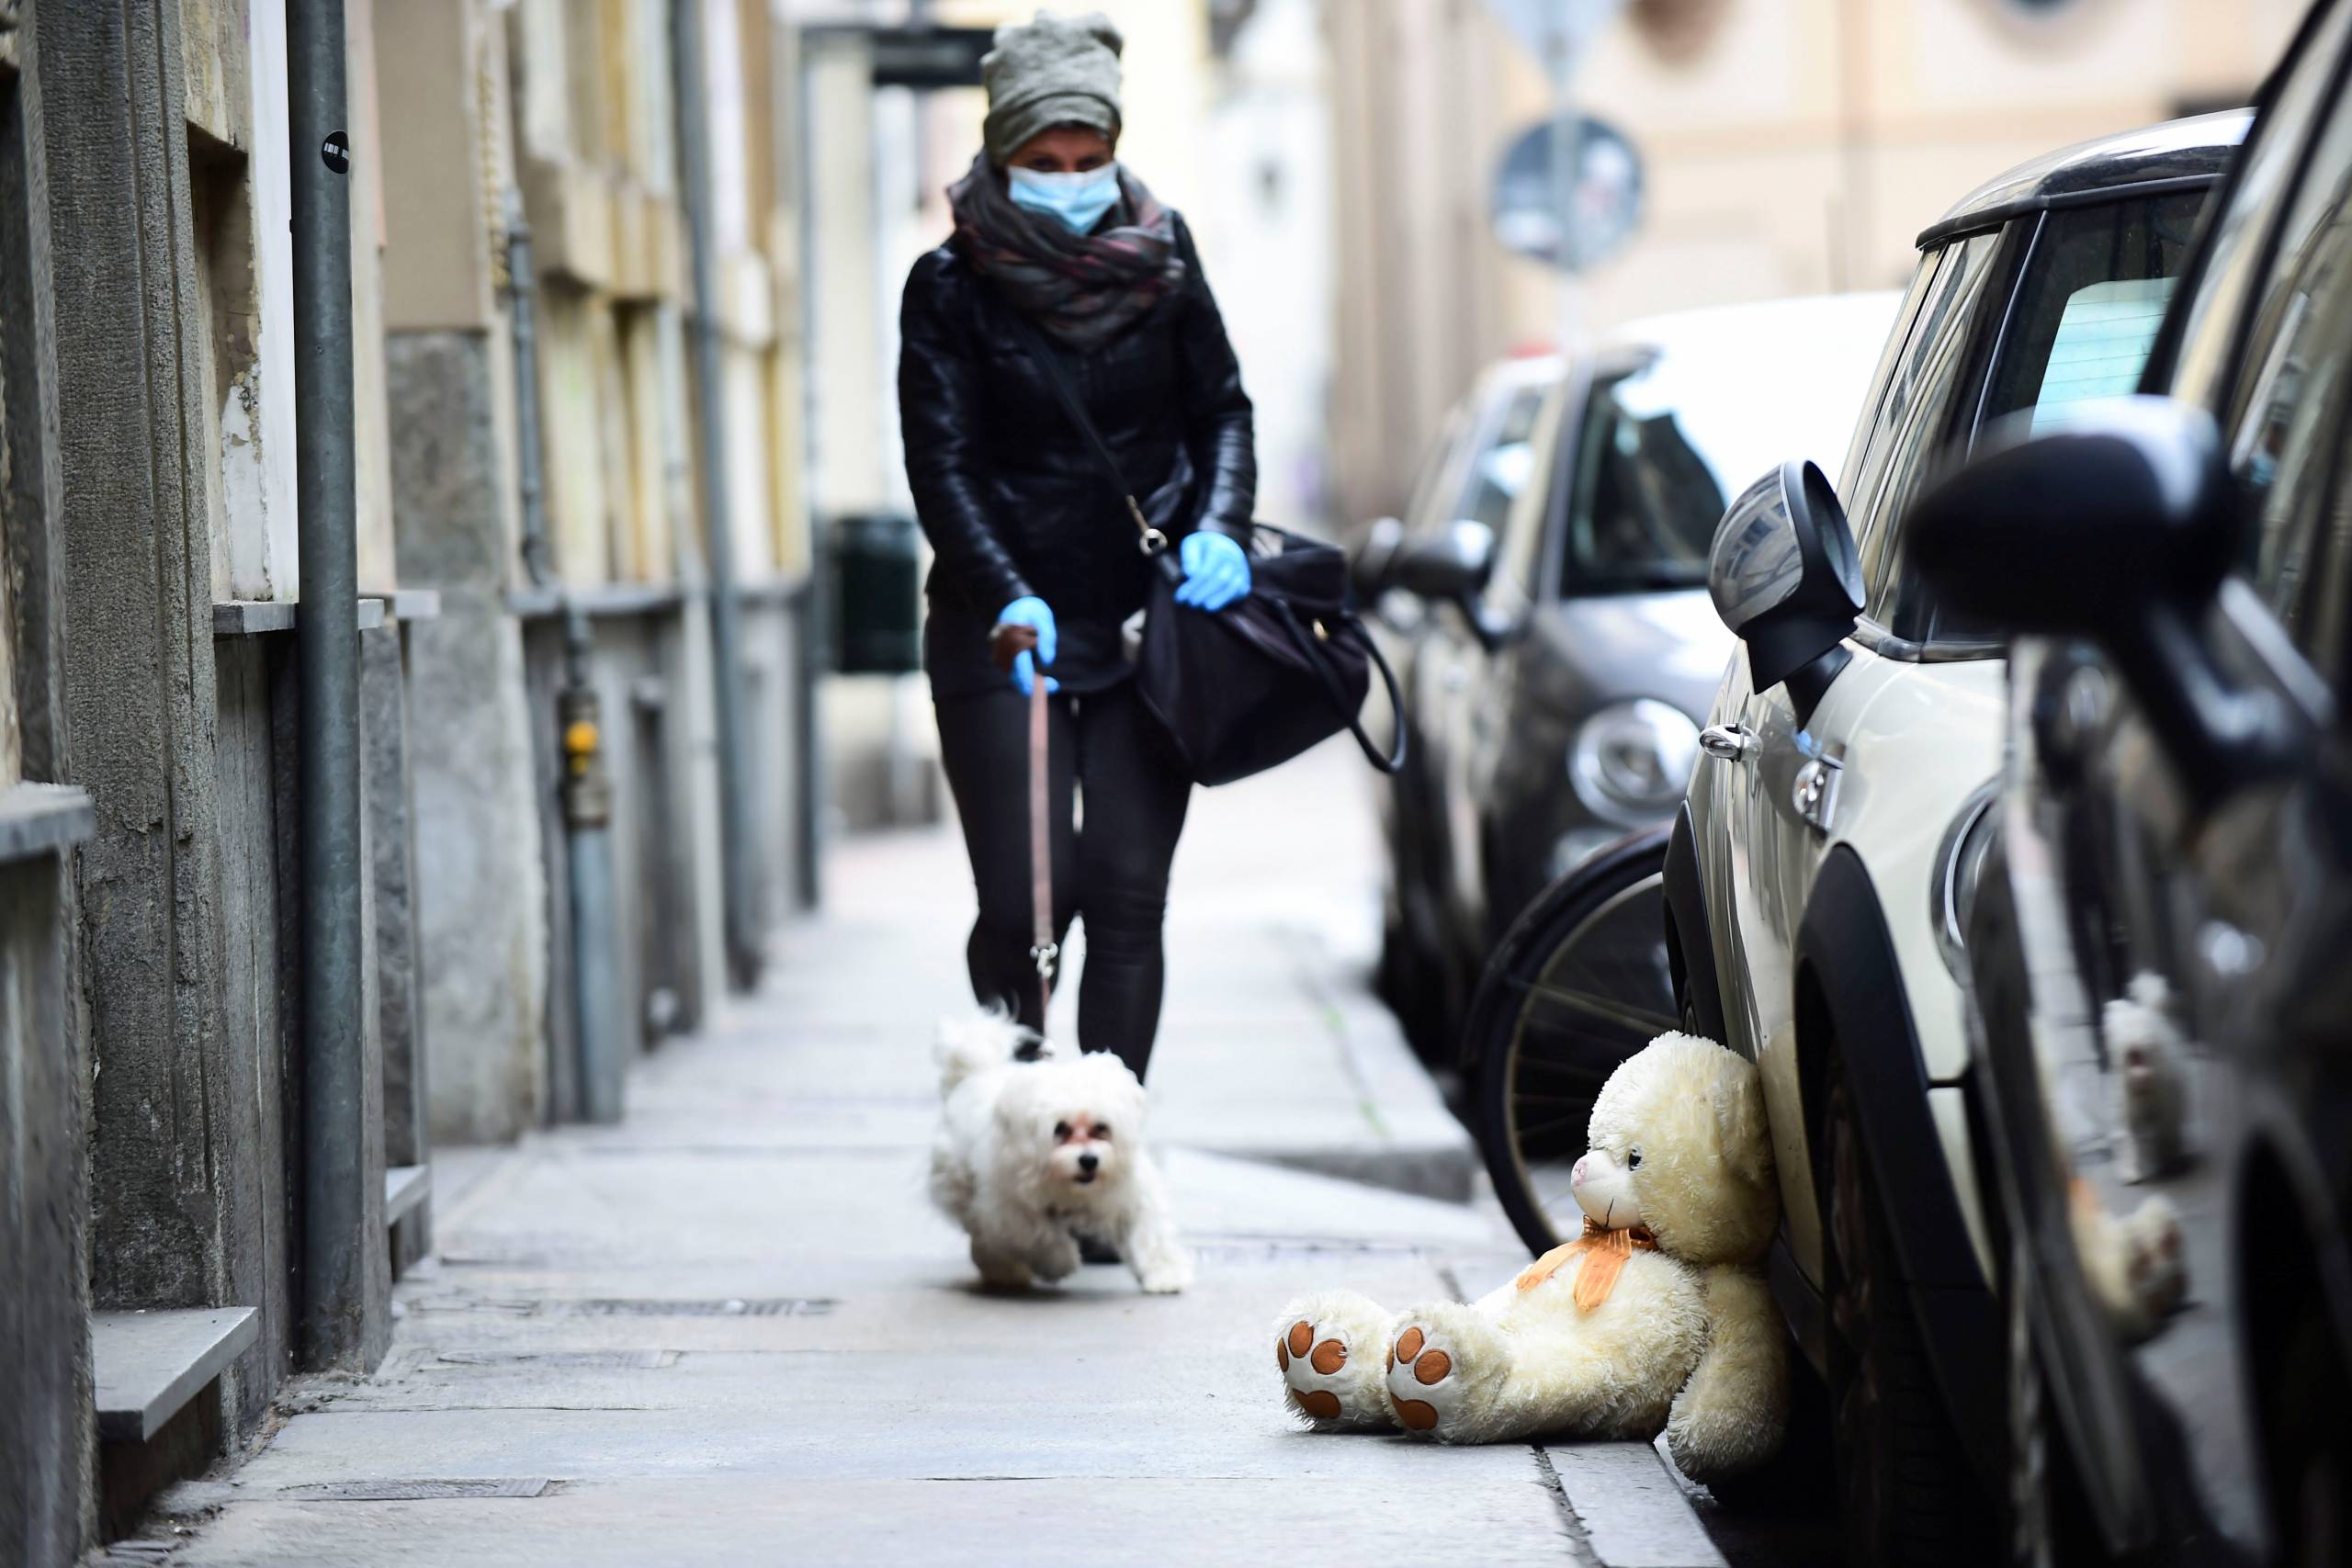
x: 1602, y: 198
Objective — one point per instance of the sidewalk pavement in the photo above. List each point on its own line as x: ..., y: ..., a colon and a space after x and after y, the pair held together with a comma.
x: 730, y: 1329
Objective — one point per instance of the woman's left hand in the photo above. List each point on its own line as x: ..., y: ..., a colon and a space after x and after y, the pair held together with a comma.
x: 1217, y: 570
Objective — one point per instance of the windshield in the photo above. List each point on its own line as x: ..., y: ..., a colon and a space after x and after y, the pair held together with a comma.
x: 1664, y: 447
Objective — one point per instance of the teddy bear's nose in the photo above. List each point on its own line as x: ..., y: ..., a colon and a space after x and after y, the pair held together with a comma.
x: 1575, y: 1174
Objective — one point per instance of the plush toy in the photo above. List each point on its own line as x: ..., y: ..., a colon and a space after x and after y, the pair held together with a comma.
x: 1656, y: 1319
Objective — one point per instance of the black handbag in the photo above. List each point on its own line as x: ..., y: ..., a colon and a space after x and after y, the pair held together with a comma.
x: 1270, y: 675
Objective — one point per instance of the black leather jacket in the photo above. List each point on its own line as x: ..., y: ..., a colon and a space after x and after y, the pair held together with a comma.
x: 1011, y: 496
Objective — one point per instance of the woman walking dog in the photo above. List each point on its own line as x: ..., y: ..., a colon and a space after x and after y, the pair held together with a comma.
x: 1059, y: 251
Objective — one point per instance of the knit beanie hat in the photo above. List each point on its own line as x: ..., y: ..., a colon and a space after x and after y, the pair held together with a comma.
x: 1053, y: 71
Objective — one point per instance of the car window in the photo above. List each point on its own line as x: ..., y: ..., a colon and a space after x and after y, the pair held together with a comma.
x: 2080, y: 325
x: 1521, y: 542
x: 2285, y: 423
x: 1664, y: 445
x: 1500, y: 472
x: 2206, y: 332
x: 1878, y: 402
x: 1643, y: 505
x: 1918, y: 408
x: 1427, y: 511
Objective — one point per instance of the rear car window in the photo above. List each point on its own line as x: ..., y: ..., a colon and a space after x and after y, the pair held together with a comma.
x: 2081, y: 325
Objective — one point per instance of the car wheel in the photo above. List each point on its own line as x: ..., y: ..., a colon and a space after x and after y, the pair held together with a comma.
x: 1578, y: 983
x: 1902, y: 1482
x: 2307, y: 1450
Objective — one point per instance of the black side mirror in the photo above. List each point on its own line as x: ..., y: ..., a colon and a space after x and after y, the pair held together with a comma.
x: 1452, y: 565
x: 2119, y: 528
x: 1786, y: 578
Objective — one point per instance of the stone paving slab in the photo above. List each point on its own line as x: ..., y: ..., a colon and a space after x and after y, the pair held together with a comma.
x: 1508, y: 1519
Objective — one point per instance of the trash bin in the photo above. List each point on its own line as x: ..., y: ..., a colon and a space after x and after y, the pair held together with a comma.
x: 875, y: 609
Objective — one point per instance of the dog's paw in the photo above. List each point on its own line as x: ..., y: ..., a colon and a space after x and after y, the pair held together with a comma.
x: 1434, y: 1365
x: 1329, y: 1351
x: 1164, y: 1272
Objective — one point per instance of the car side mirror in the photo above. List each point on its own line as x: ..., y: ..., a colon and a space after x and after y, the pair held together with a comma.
x: 1450, y: 565
x: 2120, y: 528
x: 1786, y: 578
x: 1453, y: 566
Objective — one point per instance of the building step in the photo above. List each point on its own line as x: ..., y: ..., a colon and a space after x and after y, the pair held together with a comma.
x: 148, y: 1365
x: 405, y: 1186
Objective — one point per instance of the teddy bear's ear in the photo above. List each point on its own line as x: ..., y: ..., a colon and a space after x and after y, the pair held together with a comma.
x: 1740, y: 1126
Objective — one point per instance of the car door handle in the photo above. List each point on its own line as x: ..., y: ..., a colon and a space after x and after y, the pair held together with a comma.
x: 1727, y: 743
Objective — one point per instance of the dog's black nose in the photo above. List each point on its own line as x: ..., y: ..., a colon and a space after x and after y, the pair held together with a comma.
x: 1088, y: 1162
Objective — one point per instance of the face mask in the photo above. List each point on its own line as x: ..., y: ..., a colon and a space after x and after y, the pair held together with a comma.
x: 1078, y: 200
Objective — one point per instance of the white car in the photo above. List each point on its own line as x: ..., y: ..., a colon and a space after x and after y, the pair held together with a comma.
x: 1843, y: 804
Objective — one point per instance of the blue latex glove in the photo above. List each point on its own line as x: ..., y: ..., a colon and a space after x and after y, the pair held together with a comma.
x: 1031, y: 611
x: 1217, y: 570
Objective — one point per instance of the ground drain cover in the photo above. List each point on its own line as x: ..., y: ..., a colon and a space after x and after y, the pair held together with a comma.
x: 414, y: 1491
x: 732, y: 1307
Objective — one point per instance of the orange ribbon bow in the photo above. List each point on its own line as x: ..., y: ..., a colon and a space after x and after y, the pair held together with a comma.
x: 1610, y: 1249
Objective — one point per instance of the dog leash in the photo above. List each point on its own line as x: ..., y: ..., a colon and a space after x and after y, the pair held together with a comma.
x: 1007, y: 642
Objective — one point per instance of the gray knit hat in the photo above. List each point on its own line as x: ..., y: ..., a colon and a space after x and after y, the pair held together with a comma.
x: 1053, y: 71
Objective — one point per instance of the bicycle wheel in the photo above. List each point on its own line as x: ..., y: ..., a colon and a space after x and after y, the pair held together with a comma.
x: 1579, y: 983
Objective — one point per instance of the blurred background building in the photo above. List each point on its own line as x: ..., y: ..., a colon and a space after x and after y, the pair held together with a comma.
x: 625, y: 277
x: 1786, y: 147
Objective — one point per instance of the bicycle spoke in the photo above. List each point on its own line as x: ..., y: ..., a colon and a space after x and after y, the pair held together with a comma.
x: 1608, y: 1008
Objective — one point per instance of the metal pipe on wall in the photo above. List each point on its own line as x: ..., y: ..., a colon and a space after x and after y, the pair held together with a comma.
x: 587, y: 796
x: 335, y: 1210
x: 743, y: 935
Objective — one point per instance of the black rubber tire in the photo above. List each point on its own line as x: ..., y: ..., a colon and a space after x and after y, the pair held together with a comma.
x: 1904, y: 1487
x: 2306, y: 1446
x: 1491, y: 1032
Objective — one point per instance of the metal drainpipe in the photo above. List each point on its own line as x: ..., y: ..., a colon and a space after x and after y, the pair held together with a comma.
x: 743, y: 945
x: 334, y: 1207
x: 586, y: 788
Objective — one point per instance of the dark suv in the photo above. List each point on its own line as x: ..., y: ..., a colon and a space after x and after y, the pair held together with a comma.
x: 2161, y: 933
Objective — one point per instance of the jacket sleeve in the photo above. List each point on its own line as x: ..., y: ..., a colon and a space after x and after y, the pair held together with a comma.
x: 939, y: 399
x: 1223, y: 427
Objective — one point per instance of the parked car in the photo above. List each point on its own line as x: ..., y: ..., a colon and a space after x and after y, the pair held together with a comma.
x: 2159, y: 933
x: 1565, y: 657
x: 1846, y: 794
x: 1472, y: 473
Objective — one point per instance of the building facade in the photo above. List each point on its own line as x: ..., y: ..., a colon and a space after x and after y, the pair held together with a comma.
x: 582, y: 623
x: 1788, y: 147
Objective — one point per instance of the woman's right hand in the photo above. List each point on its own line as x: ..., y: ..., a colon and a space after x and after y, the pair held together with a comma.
x: 1032, y: 611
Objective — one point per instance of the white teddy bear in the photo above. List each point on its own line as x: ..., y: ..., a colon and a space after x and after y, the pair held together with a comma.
x: 1659, y: 1319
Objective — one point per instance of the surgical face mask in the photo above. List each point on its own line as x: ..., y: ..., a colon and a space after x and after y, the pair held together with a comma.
x: 1078, y: 200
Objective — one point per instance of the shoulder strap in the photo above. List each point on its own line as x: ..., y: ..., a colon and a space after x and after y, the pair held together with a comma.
x: 1058, y: 376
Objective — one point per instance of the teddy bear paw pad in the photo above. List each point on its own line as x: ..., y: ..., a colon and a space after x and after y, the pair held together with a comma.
x: 1424, y: 1377
x: 1314, y: 1360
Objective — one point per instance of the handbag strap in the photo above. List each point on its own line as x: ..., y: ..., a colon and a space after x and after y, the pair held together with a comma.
x: 1149, y: 539
x: 1392, y: 761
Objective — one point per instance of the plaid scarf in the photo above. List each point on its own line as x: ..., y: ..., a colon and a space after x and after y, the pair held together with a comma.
x: 1084, y: 289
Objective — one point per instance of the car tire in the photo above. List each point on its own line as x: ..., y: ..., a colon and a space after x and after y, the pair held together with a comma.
x: 2306, y: 1449
x: 1905, y: 1490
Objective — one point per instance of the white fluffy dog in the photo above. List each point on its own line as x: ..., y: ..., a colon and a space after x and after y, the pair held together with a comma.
x: 1034, y: 1145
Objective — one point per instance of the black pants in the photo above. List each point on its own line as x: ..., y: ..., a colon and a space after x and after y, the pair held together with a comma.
x: 1107, y: 751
